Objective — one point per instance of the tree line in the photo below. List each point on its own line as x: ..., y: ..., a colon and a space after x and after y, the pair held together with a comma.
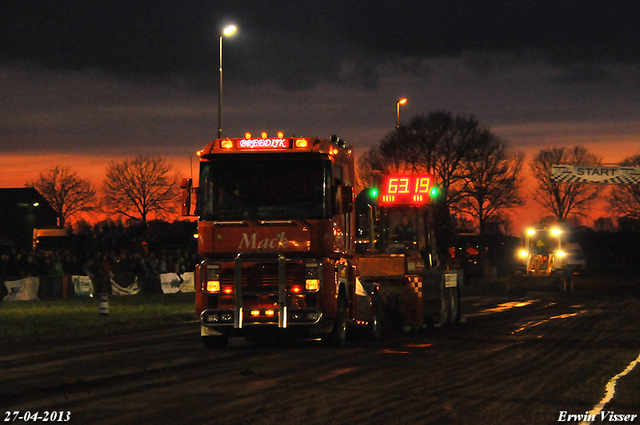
x: 481, y: 177
x: 134, y: 188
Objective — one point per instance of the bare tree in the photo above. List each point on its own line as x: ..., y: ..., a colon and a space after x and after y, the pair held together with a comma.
x: 373, y: 162
x: 492, y: 182
x: 563, y: 199
x: 67, y: 193
x: 436, y: 143
x: 624, y: 200
x: 139, y: 186
x: 604, y: 224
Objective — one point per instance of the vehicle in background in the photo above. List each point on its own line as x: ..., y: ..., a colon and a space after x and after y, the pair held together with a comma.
x: 471, y: 251
x: 402, y: 250
x: 50, y: 239
x: 542, y: 262
x: 575, y: 259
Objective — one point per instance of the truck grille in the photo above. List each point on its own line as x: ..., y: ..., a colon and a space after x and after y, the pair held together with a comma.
x: 263, y: 278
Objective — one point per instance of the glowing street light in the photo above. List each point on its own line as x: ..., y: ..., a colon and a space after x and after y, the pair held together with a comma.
x: 225, y: 32
x: 398, y: 103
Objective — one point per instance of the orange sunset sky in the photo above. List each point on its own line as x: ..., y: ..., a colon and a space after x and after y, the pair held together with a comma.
x: 85, y: 83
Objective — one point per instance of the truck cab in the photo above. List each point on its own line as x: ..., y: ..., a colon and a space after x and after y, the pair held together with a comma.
x: 276, y: 231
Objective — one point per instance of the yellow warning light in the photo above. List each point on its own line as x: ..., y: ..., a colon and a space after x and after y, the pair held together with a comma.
x: 199, y: 153
x: 247, y: 135
x: 226, y: 144
x: 255, y: 313
x: 280, y: 134
x: 301, y: 143
x: 264, y: 134
x: 269, y: 313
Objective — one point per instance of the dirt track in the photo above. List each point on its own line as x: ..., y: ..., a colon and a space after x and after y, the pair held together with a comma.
x: 513, y: 361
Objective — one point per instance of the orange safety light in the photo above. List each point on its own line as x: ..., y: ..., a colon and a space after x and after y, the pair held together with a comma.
x: 302, y: 143
x: 264, y: 134
x: 296, y: 289
x: 199, y: 153
x: 270, y: 313
x: 280, y: 134
x: 247, y: 135
x: 226, y: 144
x: 255, y: 313
x: 227, y: 289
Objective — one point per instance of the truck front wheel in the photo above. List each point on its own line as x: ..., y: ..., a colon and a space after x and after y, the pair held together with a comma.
x: 338, y: 335
x: 215, y: 342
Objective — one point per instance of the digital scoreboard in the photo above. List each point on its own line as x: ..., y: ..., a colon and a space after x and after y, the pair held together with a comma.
x: 407, y: 190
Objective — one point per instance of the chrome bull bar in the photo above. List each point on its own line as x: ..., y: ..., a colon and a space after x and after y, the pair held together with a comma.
x: 282, y: 285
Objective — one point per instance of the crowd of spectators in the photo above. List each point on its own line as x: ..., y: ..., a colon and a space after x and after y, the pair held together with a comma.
x: 97, y: 253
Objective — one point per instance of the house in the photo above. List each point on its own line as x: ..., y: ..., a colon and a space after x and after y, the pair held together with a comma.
x: 21, y: 211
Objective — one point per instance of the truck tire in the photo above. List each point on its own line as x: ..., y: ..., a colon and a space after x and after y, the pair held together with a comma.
x: 567, y: 285
x: 375, y: 327
x: 215, y: 342
x: 454, y: 305
x: 338, y: 335
x: 444, y: 306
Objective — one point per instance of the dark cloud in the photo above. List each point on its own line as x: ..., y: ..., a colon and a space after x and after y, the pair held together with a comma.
x: 300, y: 43
x: 582, y: 74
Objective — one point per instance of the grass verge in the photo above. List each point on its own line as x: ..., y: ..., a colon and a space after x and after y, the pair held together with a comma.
x: 79, y: 316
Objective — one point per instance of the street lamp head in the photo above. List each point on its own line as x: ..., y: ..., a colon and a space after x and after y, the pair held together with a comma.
x: 402, y: 101
x: 229, y: 30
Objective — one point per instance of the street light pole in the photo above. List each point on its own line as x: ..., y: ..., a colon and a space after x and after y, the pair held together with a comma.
x: 227, y: 31
x: 398, y: 103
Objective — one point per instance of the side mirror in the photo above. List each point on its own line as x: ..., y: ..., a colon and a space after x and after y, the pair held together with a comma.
x: 347, y: 199
x: 343, y: 199
x: 186, y: 187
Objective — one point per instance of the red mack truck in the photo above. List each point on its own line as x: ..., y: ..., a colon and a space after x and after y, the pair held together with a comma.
x: 276, y: 230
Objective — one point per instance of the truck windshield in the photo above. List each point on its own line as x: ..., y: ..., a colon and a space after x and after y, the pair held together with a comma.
x: 264, y: 188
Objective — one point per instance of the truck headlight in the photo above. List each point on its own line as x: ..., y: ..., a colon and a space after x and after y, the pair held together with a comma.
x: 212, y: 281
x: 312, y: 284
x: 312, y: 276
